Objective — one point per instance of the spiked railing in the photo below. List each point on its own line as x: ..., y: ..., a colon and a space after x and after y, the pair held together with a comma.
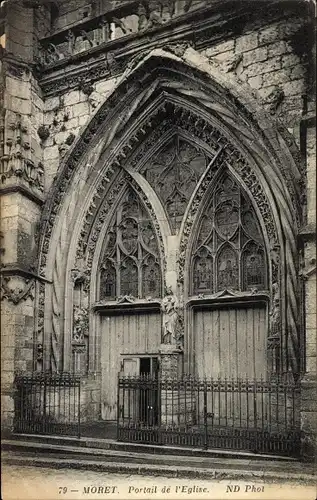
x: 47, y: 403
x: 255, y: 415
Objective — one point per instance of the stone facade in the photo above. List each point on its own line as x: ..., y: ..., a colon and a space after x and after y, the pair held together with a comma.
x: 84, y: 84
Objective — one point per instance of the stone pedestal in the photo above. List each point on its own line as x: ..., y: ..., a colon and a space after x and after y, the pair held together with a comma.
x: 308, y: 411
x: 177, y: 403
x: 171, y: 361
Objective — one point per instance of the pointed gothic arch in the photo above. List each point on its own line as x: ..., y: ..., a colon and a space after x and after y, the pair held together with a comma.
x: 227, y: 225
x: 130, y: 261
x: 226, y: 272
x: 217, y: 112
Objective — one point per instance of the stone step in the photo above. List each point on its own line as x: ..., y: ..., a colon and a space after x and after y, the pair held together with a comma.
x: 59, y: 456
x: 111, y: 444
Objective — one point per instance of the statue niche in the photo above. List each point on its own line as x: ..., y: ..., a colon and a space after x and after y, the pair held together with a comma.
x: 80, y: 338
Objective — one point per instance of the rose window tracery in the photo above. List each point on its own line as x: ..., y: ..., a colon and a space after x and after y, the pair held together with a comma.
x: 229, y: 251
x: 130, y: 264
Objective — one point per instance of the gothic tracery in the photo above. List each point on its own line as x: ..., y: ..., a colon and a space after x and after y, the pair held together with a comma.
x: 174, y: 173
x: 229, y: 251
x: 130, y: 264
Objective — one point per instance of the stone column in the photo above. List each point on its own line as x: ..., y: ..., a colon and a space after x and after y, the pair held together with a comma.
x: 177, y: 400
x: 171, y: 399
x: 21, y: 190
x: 308, y: 407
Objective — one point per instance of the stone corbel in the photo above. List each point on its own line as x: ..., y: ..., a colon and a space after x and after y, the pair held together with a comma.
x: 79, y: 348
x: 305, y: 273
x: 80, y: 275
x: 178, y: 48
x: 273, y: 342
x: 274, y: 100
x: 16, y: 294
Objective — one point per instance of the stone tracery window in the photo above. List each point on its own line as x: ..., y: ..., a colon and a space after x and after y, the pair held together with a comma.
x: 229, y: 251
x: 130, y: 264
x: 174, y: 173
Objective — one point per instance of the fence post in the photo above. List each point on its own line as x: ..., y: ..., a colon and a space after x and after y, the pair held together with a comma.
x: 44, y: 403
x: 118, y: 403
x: 205, y: 417
x: 255, y: 409
x: 79, y: 406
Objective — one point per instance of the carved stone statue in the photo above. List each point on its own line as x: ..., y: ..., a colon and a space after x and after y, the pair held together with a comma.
x: 79, y: 274
x: 275, y: 310
x: 171, y: 319
x: 81, y: 324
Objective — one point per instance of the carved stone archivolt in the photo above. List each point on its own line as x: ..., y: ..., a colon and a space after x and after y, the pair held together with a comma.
x: 223, y: 153
x: 39, y: 332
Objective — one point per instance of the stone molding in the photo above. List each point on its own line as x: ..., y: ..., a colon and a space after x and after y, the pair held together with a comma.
x: 23, y: 190
x: 117, y: 307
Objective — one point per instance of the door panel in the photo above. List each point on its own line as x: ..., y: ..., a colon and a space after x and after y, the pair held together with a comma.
x: 231, y: 342
x: 130, y: 335
x: 130, y: 366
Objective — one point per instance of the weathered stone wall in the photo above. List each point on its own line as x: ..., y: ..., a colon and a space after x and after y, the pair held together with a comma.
x: 64, y: 118
x: 73, y: 12
x: 267, y: 58
x: 308, y: 274
x: 76, y: 11
x: 271, y: 60
x: 21, y: 185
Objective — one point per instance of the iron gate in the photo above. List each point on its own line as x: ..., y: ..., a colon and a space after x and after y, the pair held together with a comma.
x: 259, y: 416
x: 47, y: 403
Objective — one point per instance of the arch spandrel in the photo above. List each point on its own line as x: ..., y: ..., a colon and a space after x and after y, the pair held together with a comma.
x: 119, y: 127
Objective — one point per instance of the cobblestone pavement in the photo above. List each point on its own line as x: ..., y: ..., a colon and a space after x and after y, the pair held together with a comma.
x: 35, y: 483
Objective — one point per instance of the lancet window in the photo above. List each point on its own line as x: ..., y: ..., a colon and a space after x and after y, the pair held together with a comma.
x: 229, y: 251
x: 130, y: 264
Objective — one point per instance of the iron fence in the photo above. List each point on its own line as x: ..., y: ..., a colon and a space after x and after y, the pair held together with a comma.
x: 259, y: 416
x: 47, y: 403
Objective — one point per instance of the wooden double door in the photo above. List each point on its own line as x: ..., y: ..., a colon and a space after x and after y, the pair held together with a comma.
x: 227, y: 342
